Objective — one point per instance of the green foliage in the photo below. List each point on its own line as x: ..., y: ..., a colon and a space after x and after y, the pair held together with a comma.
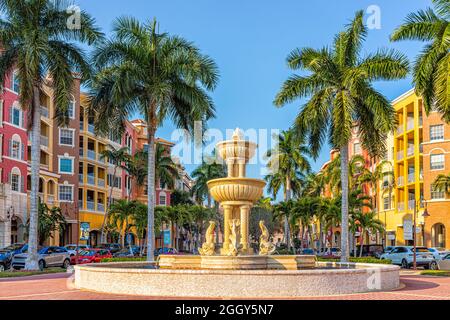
x: 135, y: 259
x: 178, y: 197
x: 442, y: 183
x: 357, y: 260
x: 436, y: 273
x: 210, y: 169
x: 18, y: 274
x: 257, y: 214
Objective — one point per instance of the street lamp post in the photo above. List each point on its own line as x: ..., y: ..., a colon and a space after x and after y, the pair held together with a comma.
x: 425, y: 214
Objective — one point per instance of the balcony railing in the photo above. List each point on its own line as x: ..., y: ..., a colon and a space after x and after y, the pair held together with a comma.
x: 410, y: 124
x: 81, y: 125
x: 400, y: 155
x: 410, y: 151
x: 91, y: 155
x: 50, y: 199
x: 91, y: 128
x: 81, y: 152
x: 411, y: 204
x: 80, y: 178
x: 44, y: 141
x: 100, y: 207
x: 90, y: 205
x: 400, y: 129
x: 91, y: 180
x: 44, y: 112
x: 411, y: 177
x: 101, y: 182
x: 401, y: 206
x: 401, y: 181
x: 80, y: 204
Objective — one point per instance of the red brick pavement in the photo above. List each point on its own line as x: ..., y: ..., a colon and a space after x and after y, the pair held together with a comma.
x: 60, y: 287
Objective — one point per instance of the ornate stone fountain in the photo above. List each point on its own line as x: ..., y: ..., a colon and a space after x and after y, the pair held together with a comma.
x: 235, y: 271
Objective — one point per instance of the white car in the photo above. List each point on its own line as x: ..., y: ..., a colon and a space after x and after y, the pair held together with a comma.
x: 444, y: 263
x: 72, y: 248
x: 404, y: 256
x: 438, y: 253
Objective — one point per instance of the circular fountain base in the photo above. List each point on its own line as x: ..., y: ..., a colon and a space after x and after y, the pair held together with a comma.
x: 136, y: 278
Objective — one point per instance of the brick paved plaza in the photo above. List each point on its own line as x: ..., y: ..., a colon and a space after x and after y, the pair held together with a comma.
x: 59, y: 287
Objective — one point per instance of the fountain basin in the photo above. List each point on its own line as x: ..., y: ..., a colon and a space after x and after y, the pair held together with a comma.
x: 136, y: 278
x: 228, y: 190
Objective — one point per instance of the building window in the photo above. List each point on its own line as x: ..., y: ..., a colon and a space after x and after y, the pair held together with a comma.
x: 65, y: 193
x: 386, y: 203
x: 15, y: 182
x: 115, y: 182
x: 437, y: 161
x: 16, y: 116
x: 357, y: 148
x: 162, y: 199
x: 66, y: 165
x: 16, y: 149
x: 66, y: 137
x: 15, y: 83
x: 437, y: 195
x: 71, y: 109
x: 437, y: 132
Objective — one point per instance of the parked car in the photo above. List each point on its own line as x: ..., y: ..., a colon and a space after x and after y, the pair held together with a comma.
x: 5, y: 260
x: 73, y: 248
x: 371, y: 250
x: 438, y: 253
x: 444, y: 263
x: 331, y: 253
x: 308, y: 252
x: 93, y: 256
x: 112, y: 247
x: 165, y: 251
x: 47, y: 257
x: 16, y: 248
x: 385, y: 250
x: 404, y: 256
x: 134, y: 251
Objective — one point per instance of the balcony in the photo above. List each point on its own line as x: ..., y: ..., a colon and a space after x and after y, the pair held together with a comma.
x: 411, y: 177
x: 81, y: 152
x: 91, y: 155
x: 81, y: 126
x: 400, y: 129
x: 91, y: 128
x: 400, y: 155
x: 420, y: 121
x: 100, y: 207
x: 90, y: 205
x: 91, y: 180
x: 44, y: 141
x: 410, y: 124
x: 401, y: 206
x: 411, y: 204
x: 401, y: 181
x: 44, y: 112
x: 80, y: 204
x: 410, y: 151
x: 101, y: 182
x: 50, y: 199
x: 80, y: 178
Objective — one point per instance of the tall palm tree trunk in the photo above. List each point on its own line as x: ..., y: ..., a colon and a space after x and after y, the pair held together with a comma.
x: 105, y: 218
x: 151, y: 123
x: 32, y: 259
x: 344, y: 224
x: 286, y: 216
x: 362, y: 242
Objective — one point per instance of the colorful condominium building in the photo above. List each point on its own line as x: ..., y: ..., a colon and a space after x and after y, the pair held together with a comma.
x: 73, y: 175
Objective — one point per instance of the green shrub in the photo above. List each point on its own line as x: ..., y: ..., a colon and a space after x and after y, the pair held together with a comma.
x: 122, y: 259
x: 436, y: 273
x: 358, y: 260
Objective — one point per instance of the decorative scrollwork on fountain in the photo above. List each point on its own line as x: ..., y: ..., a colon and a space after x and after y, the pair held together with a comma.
x: 266, y: 247
x: 234, y: 245
x: 208, y: 248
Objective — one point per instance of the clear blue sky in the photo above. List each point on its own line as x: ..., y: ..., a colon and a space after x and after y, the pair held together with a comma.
x: 250, y: 39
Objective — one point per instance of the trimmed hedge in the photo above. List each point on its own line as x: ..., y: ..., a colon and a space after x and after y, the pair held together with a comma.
x: 122, y: 259
x: 436, y: 273
x: 357, y: 260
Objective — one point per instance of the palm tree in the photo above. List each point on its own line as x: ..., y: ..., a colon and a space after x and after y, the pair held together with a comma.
x: 303, y: 212
x: 432, y: 66
x: 442, y: 183
x: 287, y: 161
x: 136, y: 167
x: 368, y: 222
x: 342, y: 95
x: 158, y: 75
x: 36, y: 41
x: 117, y: 157
x: 121, y: 212
x: 202, y: 174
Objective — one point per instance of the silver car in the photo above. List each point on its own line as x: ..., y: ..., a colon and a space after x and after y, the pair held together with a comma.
x: 47, y: 257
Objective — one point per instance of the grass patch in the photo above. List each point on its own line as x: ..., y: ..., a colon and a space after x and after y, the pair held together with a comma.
x: 17, y: 274
x: 436, y: 273
x: 357, y: 260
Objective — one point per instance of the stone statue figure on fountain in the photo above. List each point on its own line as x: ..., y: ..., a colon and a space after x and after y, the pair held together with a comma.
x: 234, y: 245
x: 266, y: 247
x: 208, y: 248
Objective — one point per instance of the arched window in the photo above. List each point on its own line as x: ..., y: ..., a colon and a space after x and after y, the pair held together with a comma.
x: 16, y: 181
x: 16, y: 148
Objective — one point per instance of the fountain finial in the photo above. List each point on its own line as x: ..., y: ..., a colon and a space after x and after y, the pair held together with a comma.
x: 238, y: 135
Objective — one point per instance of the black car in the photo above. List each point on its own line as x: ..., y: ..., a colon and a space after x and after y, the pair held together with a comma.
x: 112, y: 247
x: 5, y: 260
x: 128, y: 252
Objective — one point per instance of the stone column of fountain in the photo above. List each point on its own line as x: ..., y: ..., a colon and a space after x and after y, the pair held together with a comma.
x: 236, y: 194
